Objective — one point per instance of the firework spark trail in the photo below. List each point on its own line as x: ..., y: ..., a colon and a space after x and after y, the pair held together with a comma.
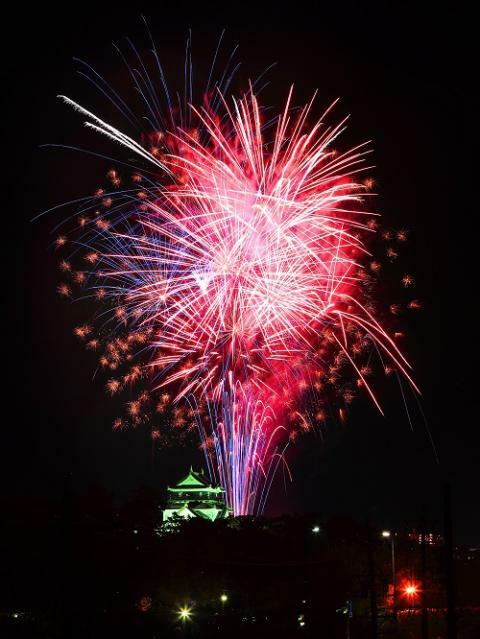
x: 243, y: 262
x: 243, y: 441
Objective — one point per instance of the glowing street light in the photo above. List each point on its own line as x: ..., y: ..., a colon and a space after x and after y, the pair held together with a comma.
x: 185, y: 613
x: 223, y: 598
x: 316, y: 529
x: 387, y: 534
x: 411, y: 590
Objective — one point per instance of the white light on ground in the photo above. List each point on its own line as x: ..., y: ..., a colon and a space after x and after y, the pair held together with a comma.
x: 185, y: 613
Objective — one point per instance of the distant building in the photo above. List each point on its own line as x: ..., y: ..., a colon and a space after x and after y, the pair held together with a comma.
x: 195, y: 496
x: 431, y: 539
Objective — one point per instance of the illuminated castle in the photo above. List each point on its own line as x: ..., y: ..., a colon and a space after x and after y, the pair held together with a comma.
x: 194, y: 496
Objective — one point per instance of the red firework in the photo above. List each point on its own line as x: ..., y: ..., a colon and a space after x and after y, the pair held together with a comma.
x: 239, y: 279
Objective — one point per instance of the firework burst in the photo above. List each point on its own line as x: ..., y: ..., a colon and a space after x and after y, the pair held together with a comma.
x: 235, y: 276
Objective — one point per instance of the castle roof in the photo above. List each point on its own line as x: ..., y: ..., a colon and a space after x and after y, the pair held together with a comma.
x: 195, y: 482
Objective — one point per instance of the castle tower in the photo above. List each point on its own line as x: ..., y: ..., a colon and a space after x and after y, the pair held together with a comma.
x: 195, y: 496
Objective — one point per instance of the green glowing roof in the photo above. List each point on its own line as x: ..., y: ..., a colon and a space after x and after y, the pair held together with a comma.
x: 195, y: 482
x: 209, y: 513
x: 193, y: 479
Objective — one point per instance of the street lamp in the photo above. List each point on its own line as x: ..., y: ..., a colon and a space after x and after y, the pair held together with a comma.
x: 411, y: 591
x: 223, y: 598
x: 185, y: 613
x: 387, y: 534
x: 316, y: 529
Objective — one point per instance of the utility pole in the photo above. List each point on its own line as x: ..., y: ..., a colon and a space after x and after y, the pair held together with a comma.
x: 394, y: 579
x: 349, y: 614
x: 66, y: 560
x: 449, y: 572
x: 371, y: 578
x: 423, y: 573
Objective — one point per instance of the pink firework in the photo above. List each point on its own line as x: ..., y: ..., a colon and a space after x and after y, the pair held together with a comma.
x: 241, y: 265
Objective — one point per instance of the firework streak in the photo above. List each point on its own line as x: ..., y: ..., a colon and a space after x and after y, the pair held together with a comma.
x: 236, y: 267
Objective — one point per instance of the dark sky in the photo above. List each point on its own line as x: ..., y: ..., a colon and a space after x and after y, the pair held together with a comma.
x: 403, y: 75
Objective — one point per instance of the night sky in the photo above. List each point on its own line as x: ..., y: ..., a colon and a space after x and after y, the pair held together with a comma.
x: 403, y: 75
